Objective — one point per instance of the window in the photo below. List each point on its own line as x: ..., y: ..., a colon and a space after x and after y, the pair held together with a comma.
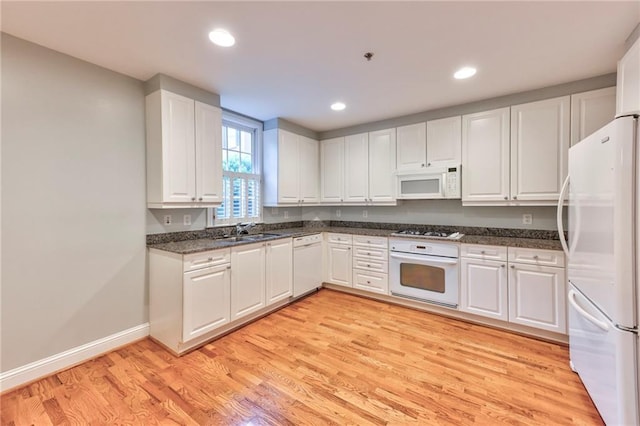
x: 241, y: 188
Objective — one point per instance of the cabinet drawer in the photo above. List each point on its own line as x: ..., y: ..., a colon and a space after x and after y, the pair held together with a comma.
x: 363, y: 240
x: 479, y: 251
x: 371, y: 281
x: 371, y: 265
x: 339, y: 238
x: 371, y: 253
x: 206, y: 259
x: 536, y: 256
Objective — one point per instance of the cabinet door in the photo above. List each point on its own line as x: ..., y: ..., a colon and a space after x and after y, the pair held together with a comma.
x: 208, y: 137
x: 356, y: 171
x: 444, y: 141
x: 382, y: 165
x: 309, y: 170
x: 288, y: 167
x: 537, y: 297
x: 485, y: 156
x: 412, y: 146
x: 339, y: 264
x: 539, y: 149
x: 628, y: 87
x: 178, y: 151
x: 279, y: 270
x: 247, y: 279
x: 483, y: 288
x: 206, y: 301
x: 590, y: 111
x: 332, y: 170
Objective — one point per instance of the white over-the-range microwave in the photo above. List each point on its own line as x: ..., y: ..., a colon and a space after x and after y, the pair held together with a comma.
x: 430, y: 183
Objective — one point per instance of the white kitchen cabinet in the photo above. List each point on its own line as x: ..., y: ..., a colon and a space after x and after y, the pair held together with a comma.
x: 184, y: 152
x: 356, y: 172
x: 444, y: 141
x: 291, y: 168
x: 247, y: 279
x: 484, y: 289
x: 370, y: 264
x: 206, y: 295
x: 537, y: 297
x: 279, y: 270
x: 189, y: 296
x: 590, y: 111
x: 539, y: 149
x: 411, y: 147
x: 382, y: 166
x: 628, y: 84
x: 332, y: 170
x: 309, y: 170
x: 485, y: 156
x: 339, y: 259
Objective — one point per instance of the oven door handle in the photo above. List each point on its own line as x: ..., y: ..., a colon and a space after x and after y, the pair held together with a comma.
x: 424, y: 259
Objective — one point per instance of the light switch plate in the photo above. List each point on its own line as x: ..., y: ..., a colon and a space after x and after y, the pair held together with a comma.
x: 186, y: 220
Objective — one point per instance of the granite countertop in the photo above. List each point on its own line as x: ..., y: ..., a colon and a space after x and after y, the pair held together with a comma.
x: 205, y: 244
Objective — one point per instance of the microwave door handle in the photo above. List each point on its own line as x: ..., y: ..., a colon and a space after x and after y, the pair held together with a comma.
x: 443, y: 185
x: 423, y: 258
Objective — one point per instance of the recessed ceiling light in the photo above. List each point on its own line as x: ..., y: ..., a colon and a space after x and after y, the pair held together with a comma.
x: 338, y: 106
x: 465, y: 72
x: 222, y: 38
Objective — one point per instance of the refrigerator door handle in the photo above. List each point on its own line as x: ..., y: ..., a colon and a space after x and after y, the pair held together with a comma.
x: 600, y: 324
x: 559, y: 210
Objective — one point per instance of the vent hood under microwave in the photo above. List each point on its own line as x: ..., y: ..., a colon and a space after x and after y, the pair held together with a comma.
x: 429, y: 184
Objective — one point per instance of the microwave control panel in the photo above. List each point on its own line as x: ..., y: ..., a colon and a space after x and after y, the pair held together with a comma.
x: 453, y: 182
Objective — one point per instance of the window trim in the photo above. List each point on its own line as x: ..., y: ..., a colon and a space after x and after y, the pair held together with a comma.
x: 247, y: 123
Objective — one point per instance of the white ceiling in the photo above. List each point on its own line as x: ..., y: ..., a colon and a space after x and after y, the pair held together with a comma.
x: 293, y: 59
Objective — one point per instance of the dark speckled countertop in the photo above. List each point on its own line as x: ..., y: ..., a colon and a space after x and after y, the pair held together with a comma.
x: 196, y: 243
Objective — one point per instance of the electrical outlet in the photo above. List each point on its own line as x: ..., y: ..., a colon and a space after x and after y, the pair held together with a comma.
x: 186, y: 220
x: 527, y: 219
x: 274, y: 211
x: 365, y: 213
x: 338, y: 213
x: 167, y: 219
x: 286, y: 214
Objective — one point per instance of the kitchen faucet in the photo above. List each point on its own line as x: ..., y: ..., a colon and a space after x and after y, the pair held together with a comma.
x: 243, y: 228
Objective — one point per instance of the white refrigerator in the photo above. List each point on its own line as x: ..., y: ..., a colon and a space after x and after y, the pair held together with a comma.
x: 603, y: 258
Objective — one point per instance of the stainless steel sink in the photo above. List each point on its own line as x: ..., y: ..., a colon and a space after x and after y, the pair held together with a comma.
x: 249, y: 237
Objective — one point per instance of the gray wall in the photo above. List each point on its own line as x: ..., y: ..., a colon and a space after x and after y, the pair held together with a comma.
x: 440, y: 212
x: 73, y: 207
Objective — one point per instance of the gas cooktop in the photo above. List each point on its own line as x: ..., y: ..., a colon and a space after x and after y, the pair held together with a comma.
x: 428, y: 234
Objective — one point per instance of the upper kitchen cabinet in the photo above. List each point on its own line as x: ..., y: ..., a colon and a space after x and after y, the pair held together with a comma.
x: 590, y: 111
x: 539, y: 149
x: 434, y: 143
x: 485, y: 156
x: 332, y: 170
x: 628, y: 85
x: 356, y: 172
x: 411, y: 147
x: 444, y: 141
x: 517, y: 155
x: 382, y: 166
x: 291, y: 168
x: 184, y: 152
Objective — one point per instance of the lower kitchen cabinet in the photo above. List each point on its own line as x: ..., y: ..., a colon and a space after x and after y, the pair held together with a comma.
x: 483, y: 288
x: 279, y: 270
x: 537, y: 297
x: 371, y: 281
x: 339, y: 259
x: 247, y: 279
x: 205, y: 300
x: 518, y: 285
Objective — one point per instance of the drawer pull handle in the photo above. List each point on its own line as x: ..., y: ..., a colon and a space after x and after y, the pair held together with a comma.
x: 502, y: 266
x: 512, y: 266
x: 368, y: 282
x: 482, y: 252
x: 368, y: 266
x: 228, y: 266
x: 210, y: 259
x: 535, y: 257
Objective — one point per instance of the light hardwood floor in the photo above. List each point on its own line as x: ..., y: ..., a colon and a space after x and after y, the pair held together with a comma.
x: 331, y: 358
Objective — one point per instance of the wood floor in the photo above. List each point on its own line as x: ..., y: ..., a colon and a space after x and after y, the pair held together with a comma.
x: 331, y: 358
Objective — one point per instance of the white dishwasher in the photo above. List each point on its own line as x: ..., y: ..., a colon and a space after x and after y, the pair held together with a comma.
x: 307, y: 264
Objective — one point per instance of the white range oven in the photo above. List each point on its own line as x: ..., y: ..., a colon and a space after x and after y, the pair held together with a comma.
x: 424, y: 270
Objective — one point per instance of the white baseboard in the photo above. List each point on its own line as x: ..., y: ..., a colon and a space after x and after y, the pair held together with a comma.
x: 44, y: 367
